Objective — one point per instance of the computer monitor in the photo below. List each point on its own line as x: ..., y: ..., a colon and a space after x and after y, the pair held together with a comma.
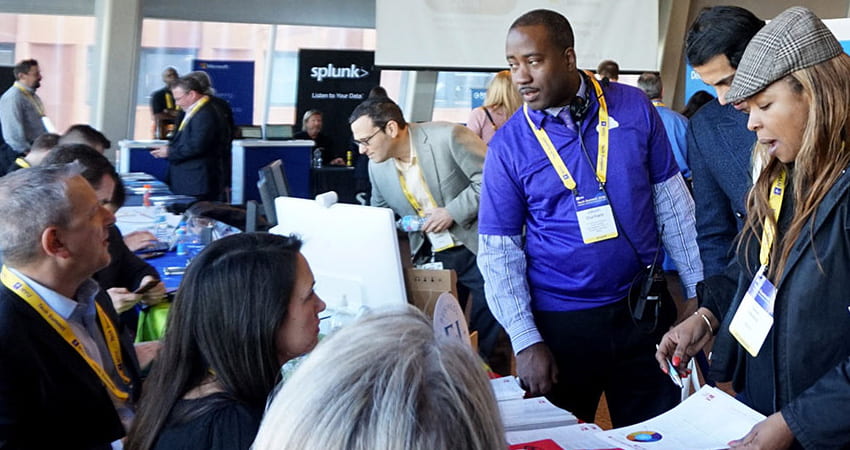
x: 353, y: 251
x: 251, y: 132
x: 276, y: 132
x: 272, y: 184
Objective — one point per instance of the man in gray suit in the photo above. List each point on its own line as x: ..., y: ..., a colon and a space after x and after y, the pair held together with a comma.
x: 433, y: 171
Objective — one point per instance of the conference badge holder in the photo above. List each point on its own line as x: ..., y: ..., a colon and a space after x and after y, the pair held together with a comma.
x: 754, y: 317
x: 440, y: 241
x: 595, y: 217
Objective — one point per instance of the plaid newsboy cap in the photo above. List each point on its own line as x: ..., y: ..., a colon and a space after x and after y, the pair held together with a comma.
x: 794, y: 40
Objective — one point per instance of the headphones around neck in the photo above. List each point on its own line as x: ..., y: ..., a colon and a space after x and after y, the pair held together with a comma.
x: 580, y: 105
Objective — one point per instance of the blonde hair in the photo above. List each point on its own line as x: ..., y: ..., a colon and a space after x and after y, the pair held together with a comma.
x: 307, y: 115
x: 502, y: 92
x: 822, y: 158
x: 385, y: 382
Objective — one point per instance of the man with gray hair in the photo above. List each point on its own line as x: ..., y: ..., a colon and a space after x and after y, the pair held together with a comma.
x: 66, y: 365
x: 225, y: 114
x: 196, y: 153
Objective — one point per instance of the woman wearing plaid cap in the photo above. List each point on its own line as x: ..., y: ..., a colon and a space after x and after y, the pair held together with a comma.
x: 784, y: 340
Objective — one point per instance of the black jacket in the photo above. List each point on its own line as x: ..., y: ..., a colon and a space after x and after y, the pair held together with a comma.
x: 49, y: 396
x: 196, y: 154
x: 803, y: 369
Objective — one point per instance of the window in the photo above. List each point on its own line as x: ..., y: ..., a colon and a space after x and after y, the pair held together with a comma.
x: 7, y: 54
x: 284, y: 79
x: 453, y: 97
x: 152, y: 61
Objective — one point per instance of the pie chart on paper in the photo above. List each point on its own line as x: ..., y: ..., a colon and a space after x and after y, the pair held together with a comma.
x: 644, y: 436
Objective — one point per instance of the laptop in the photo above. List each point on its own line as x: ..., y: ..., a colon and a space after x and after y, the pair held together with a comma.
x: 276, y: 132
x: 251, y: 132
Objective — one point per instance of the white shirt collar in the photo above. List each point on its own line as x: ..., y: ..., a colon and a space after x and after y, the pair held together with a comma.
x: 555, y: 110
x: 62, y: 305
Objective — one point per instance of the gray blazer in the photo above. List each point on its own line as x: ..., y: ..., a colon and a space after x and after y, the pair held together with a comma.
x: 451, y: 159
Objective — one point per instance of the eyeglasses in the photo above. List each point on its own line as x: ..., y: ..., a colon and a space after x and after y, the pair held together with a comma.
x: 365, y: 142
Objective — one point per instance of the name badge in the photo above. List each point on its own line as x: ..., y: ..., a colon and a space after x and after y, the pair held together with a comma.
x: 48, y: 124
x: 595, y: 218
x: 754, y: 317
x: 441, y: 241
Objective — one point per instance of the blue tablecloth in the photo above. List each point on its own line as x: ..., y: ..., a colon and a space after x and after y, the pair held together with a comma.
x: 169, y: 259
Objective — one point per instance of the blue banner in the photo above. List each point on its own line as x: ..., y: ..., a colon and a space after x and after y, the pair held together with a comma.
x: 478, y: 96
x: 693, y: 83
x: 234, y: 82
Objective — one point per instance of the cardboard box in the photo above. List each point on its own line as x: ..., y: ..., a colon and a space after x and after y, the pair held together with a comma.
x: 424, y: 286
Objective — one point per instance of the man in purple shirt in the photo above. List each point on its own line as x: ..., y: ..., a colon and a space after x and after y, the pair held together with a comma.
x: 579, y: 189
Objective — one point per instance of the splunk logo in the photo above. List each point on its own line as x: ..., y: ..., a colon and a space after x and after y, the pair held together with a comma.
x: 354, y: 72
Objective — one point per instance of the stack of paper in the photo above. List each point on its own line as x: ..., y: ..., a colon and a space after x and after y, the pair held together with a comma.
x: 506, y: 388
x: 527, y: 413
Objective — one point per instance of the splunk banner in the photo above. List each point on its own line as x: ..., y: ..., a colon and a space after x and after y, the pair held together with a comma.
x: 234, y: 82
x: 334, y: 82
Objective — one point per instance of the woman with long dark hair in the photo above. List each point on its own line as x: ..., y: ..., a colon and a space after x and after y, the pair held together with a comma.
x: 785, y: 339
x: 245, y: 307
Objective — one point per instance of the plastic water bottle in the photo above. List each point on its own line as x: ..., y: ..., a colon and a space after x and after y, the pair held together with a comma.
x: 181, y: 242
x: 161, y: 222
x: 317, y: 158
x: 411, y: 223
x: 146, y: 196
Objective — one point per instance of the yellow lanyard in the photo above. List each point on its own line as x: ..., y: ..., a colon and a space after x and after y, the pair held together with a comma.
x: 35, y: 101
x: 657, y: 103
x: 768, y: 234
x: 552, y: 152
x: 13, y: 282
x: 410, y: 198
x: 201, y: 103
x: 169, y: 100
x: 22, y: 163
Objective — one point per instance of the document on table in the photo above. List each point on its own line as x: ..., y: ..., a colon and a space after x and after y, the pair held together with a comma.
x: 581, y: 436
x: 533, y: 413
x: 506, y: 388
x: 708, y: 419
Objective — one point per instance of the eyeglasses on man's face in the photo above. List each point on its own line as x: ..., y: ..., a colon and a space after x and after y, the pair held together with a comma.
x: 365, y: 141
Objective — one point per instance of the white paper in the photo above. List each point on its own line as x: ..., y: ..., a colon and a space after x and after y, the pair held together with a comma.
x: 506, y: 388
x: 570, y: 437
x: 708, y: 419
x: 533, y: 413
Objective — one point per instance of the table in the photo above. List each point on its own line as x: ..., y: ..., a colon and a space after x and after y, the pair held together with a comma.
x: 134, y: 156
x: 169, y: 259
x: 135, y: 218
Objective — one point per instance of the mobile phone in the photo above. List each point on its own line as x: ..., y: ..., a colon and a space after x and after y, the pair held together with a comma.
x: 146, y: 287
x: 674, y: 373
x: 176, y: 270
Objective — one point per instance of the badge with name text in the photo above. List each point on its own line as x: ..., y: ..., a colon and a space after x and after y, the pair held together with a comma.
x: 440, y: 241
x: 595, y: 218
x: 754, y: 317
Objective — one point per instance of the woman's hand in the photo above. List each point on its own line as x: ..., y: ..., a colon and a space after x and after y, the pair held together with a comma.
x: 685, y: 340
x: 771, y: 433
